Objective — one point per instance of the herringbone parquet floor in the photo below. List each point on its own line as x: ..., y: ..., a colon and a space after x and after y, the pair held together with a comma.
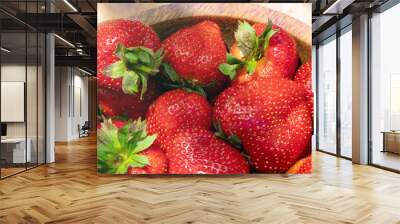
x: 70, y: 191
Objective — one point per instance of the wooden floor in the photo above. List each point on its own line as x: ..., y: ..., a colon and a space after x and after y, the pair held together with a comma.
x: 70, y: 191
x: 387, y: 159
x: 10, y: 171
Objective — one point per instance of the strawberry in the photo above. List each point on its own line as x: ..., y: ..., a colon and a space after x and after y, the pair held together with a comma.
x: 304, y: 77
x: 307, y: 151
x: 128, y: 55
x: 270, y: 117
x: 117, y: 103
x: 303, y: 166
x: 112, y: 38
x: 158, y: 162
x: 195, y: 53
x: 177, y: 109
x: 261, y: 50
x: 198, y: 151
x: 128, y: 148
x: 105, y: 108
x: 116, y: 123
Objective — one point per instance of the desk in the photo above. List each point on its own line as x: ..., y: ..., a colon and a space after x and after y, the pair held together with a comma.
x: 391, y: 141
x: 16, y: 148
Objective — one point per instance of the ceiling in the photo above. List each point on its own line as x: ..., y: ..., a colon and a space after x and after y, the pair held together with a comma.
x: 75, y: 21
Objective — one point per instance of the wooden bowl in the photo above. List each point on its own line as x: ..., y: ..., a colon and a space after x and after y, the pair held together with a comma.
x: 167, y: 19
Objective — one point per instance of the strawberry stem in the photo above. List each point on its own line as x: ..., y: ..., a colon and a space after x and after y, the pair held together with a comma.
x: 135, y: 66
x: 251, y: 47
x: 119, y: 148
x: 175, y: 81
x: 233, y: 139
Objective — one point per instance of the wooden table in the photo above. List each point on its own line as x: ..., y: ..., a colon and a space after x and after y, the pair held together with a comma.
x: 13, y: 150
x: 391, y: 141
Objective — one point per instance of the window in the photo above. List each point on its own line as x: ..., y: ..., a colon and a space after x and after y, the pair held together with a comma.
x: 346, y: 92
x: 327, y: 96
x: 385, y: 89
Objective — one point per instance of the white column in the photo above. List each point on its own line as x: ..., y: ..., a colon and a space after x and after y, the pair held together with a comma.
x: 50, y: 93
x: 360, y: 90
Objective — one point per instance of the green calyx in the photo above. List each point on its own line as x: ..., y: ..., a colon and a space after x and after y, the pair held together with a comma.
x: 135, y: 66
x: 251, y: 47
x: 175, y: 81
x: 233, y: 139
x: 119, y: 148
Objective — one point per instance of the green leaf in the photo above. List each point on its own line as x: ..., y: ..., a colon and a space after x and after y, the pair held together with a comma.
x: 230, y: 59
x: 219, y: 132
x: 211, y: 84
x: 144, y: 56
x: 267, y: 28
x: 172, y: 75
x: 115, y: 70
x: 251, y: 66
x: 119, y: 148
x: 268, y: 37
x: 200, y: 90
x: 143, y: 81
x: 158, y: 58
x: 145, y: 143
x: 245, y: 38
x: 232, y: 139
x: 251, y: 46
x: 130, y: 83
x: 134, y: 61
x: 131, y: 58
x: 146, y: 50
x: 120, y: 51
x: 235, y: 140
x: 175, y: 81
x: 229, y: 70
x: 139, y: 161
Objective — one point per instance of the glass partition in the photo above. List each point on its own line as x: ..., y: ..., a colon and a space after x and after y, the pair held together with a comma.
x: 13, y: 95
x: 385, y: 89
x: 327, y: 95
x: 346, y: 92
x: 22, y: 101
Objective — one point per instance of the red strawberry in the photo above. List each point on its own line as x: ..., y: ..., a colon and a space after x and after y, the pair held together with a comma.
x: 270, y: 117
x: 117, y: 103
x: 198, y: 151
x: 264, y: 51
x: 307, y: 151
x: 129, y: 33
x: 303, y: 166
x: 304, y: 77
x: 105, y: 108
x: 126, y: 59
x: 158, y: 162
x: 177, y: 109
x: 118, y: 124
x: 195, y: 53
x: 128, y: 148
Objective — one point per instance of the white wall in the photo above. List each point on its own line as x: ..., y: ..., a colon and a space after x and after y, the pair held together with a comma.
x: 34, y: 125
x: 71, y: 94
x: 16, y: 73
x: 62, y: 81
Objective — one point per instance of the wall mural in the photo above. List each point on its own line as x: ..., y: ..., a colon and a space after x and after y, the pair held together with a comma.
x: 217, y: 88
